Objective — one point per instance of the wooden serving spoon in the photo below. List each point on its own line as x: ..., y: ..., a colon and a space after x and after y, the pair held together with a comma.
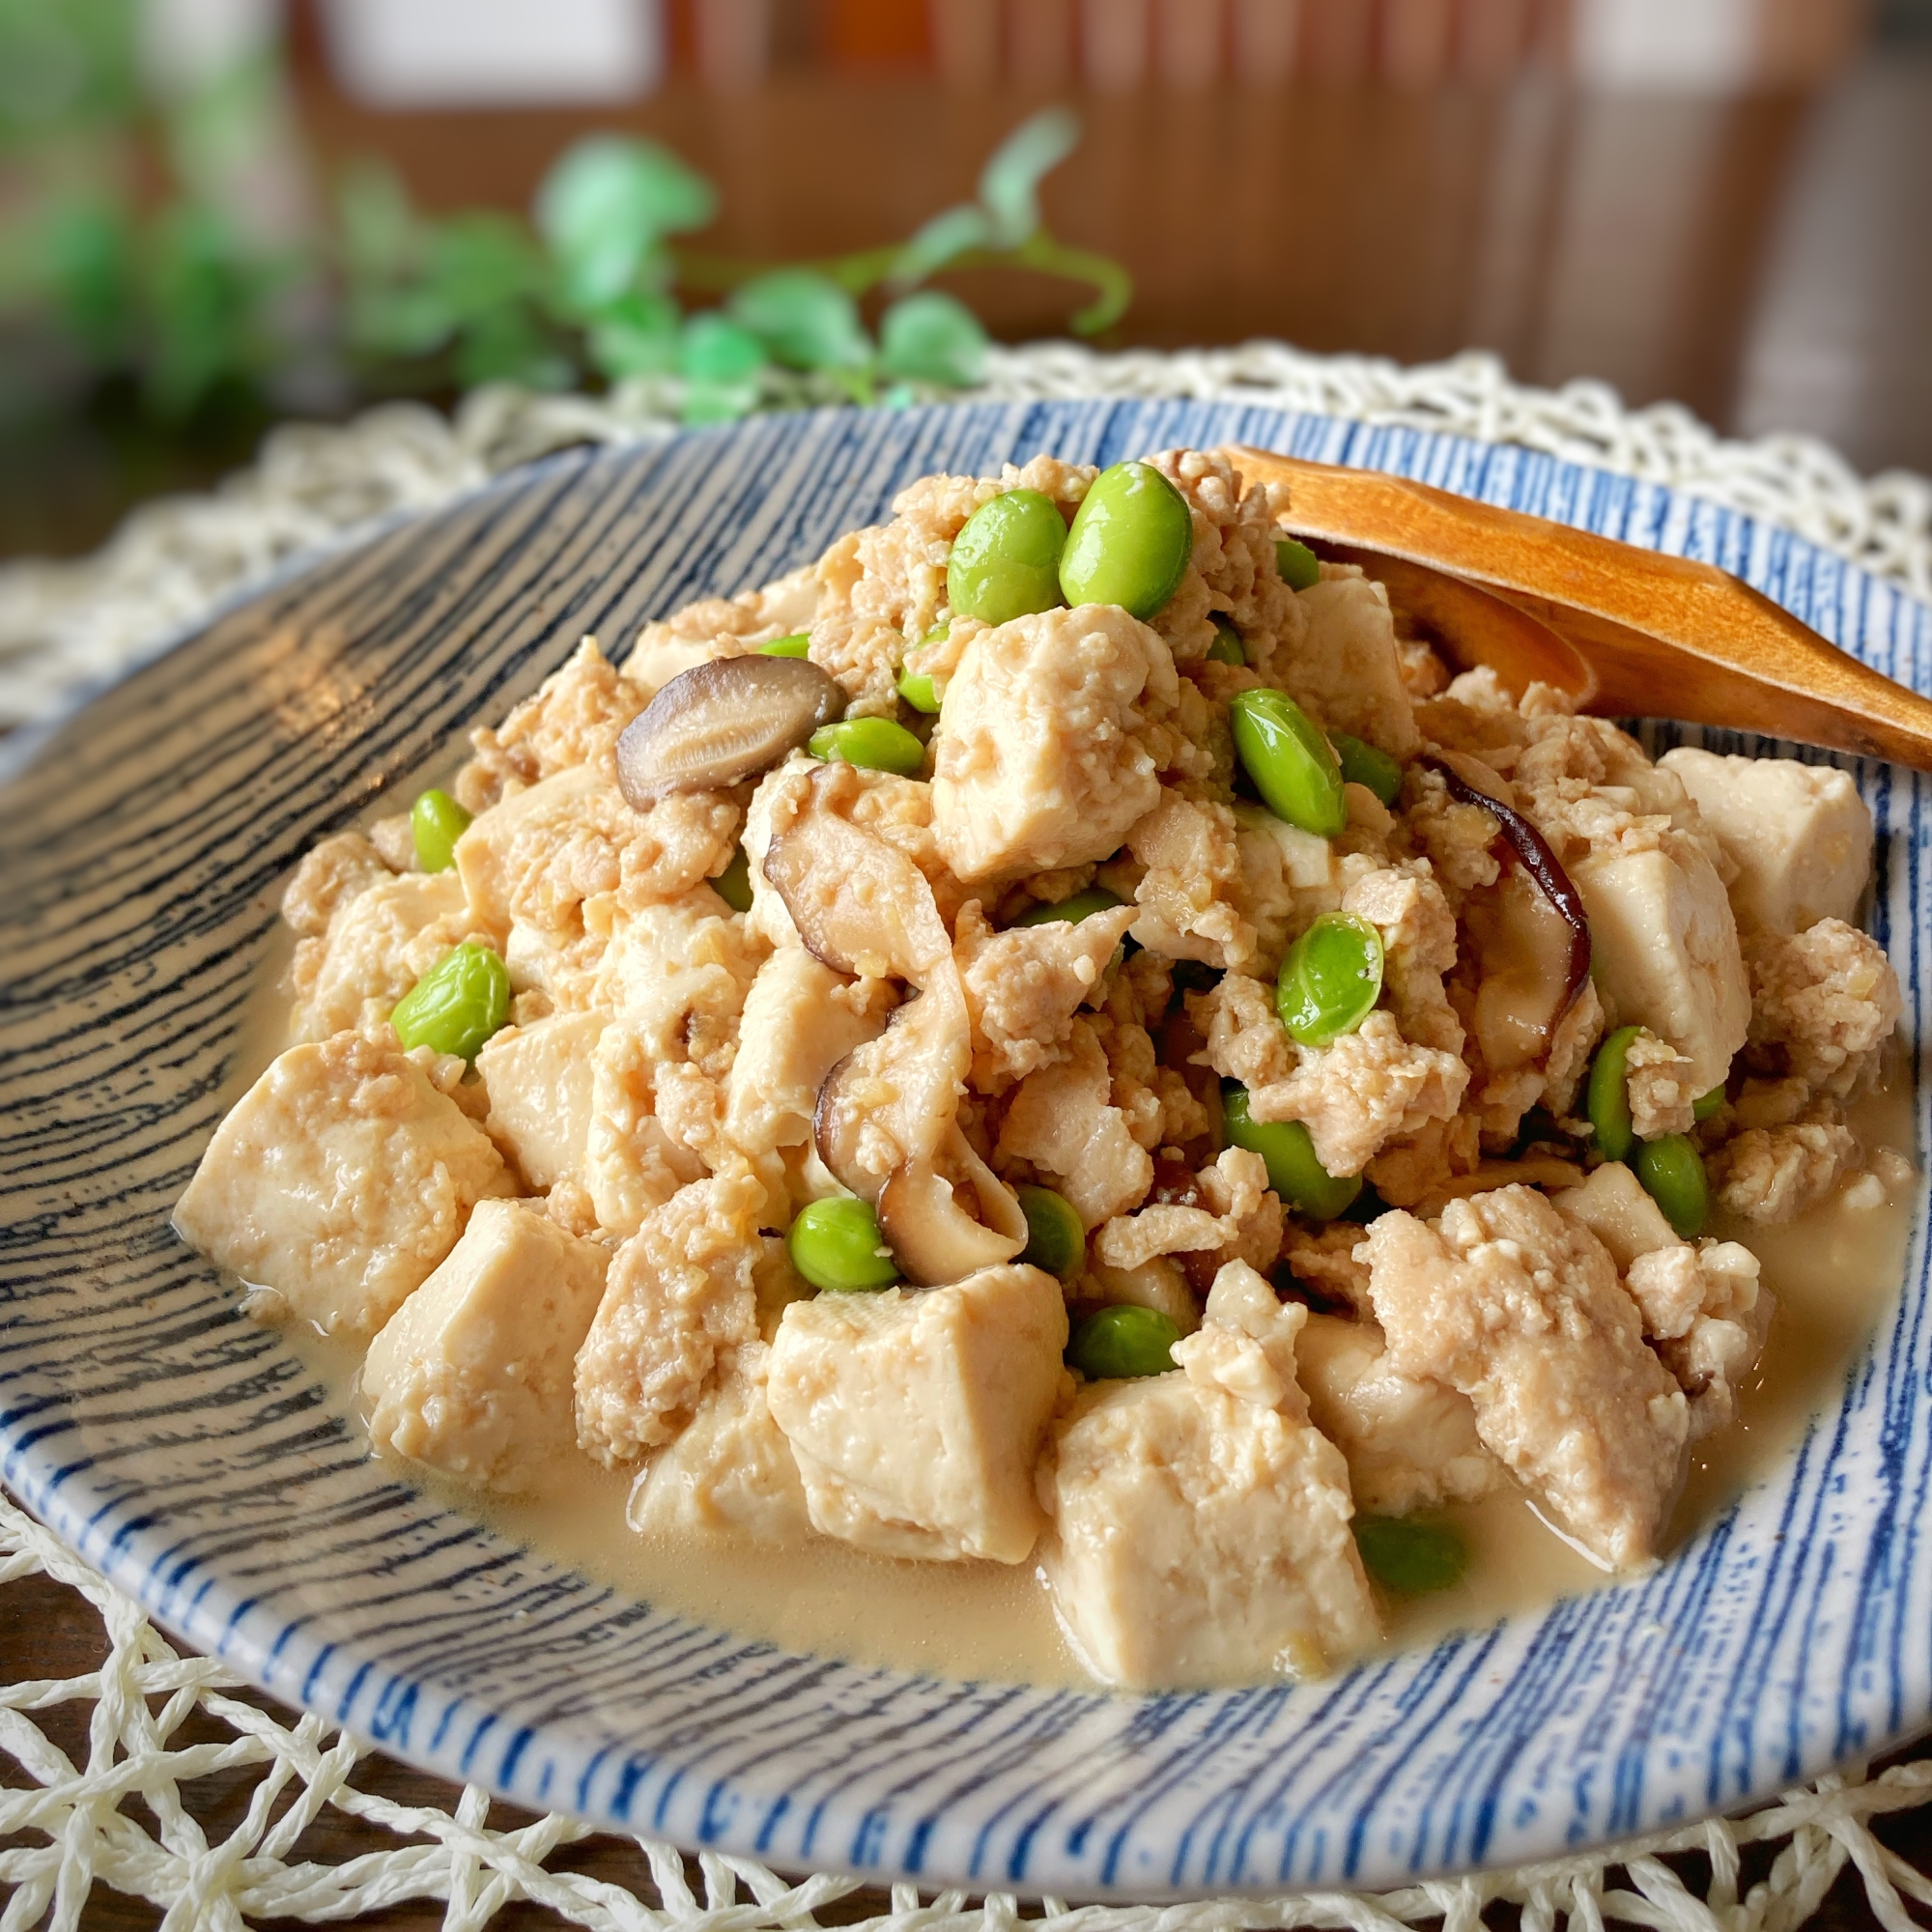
x: 1627, y: 633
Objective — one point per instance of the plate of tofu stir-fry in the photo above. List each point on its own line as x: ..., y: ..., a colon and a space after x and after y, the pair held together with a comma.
x: 901, y: 1142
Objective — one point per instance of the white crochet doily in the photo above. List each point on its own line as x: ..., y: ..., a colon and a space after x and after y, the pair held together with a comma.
x: 145, y: 1691
x: 64, y: 627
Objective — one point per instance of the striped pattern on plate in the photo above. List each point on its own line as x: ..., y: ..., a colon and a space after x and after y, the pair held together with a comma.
x: 188, y: 1454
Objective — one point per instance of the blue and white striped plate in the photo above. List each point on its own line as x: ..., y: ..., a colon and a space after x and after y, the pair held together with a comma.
x: 187, y: 1453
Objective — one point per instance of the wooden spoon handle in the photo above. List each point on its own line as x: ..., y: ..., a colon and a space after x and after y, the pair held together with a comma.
x: 1662, y: 637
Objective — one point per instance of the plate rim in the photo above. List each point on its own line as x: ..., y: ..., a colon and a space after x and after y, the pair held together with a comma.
x: 95, y: 1536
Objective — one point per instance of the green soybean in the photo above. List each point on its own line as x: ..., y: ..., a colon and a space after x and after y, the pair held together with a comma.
x: 1331, y: 978
x: 919, y: 690
x: 733, y: 885
x: 799, y: 647
x: 1363, y: 765
x: 1056, y: 1240
x: 1131, y: 543
x: 1005, y: 561
x: 1607, y: 1100
x: 457, y: 1005
x: 875, y: 743
x: 1293, y: 765
x: 1672, y: 1172
x: 1288, y: 1151
x: 1082, y: 905
x: 1300, y: 568
x: 1227, y: 647
x: 1410, y: 1557
x: 835, y: 1245
x: 1113, y: 1344
x: 1707, y: 1104
x: 436, y: 823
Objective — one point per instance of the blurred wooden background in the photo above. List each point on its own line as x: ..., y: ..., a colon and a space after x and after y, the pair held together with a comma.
x: 1723, y: 203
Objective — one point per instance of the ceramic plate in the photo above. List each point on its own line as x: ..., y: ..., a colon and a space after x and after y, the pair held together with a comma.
x: 187, y: 1453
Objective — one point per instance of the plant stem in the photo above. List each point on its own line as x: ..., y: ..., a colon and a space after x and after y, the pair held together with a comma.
x: 860, y: 272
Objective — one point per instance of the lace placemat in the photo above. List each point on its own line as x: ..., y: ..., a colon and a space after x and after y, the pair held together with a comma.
x: 65, y: 627
x: 158, y: 1722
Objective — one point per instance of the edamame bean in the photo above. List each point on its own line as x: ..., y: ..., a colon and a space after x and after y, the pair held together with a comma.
x: 457, y: 1005
x: 1056, y: 1240
x: 1288, y: 1151
x: 1131, y: 543
x: 1609, y: 1099
x: 799, y: 647
x: 436, y: 823
x: 1410, y: 1557
x: 1300, y: 568
x: 921, y: 692
x: 1707, y: 1104
x: 1227, y: 647
x: 1005, y: 561
x: 1362, y: 764
x: 1331, y: 978
x: 733, y: 885
x: 1672, y: 1172
x: 1113, y: 1344
x: 836, y: 1246
x: 1291, y: 762
x: 1082, y: 905
x: 875, y: 743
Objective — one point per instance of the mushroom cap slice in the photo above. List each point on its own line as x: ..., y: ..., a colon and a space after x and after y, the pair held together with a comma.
x: 933, y: 1236
x: 896, y: 1099
x: 720, y: 723
x: 859, y: 905
x: 1530, y: 930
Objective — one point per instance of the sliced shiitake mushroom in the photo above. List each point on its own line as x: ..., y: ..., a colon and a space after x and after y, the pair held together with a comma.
x: 1528, y: 931
x: 860, y: 904
x: 895, y: 1099
x: 934, y: 1234
x: 723, y: 722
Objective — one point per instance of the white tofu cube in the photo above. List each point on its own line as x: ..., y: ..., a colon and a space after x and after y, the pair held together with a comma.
x: 339, y: 1180
x: 1615, y: 1209
x: 731, y: 1471
x: 538, y: 1078
x: 502, y: 849
x: 1038, y: 760
x: 1200, y: 1523
x: 379, y: 944
x: 472, y: 1375
x: 916, y: 1417
x: 1665, y: 950
x: 1801, y: 836
x: 1345, y: 669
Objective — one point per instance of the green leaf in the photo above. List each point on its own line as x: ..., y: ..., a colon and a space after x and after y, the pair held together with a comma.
x: 636, y: 335
x: 86, y: 263
x: 806, y: 321
x: 202, y: 298
x: 380, y: 236
x: 605, y: 208
x: 930, y: 337
x: 707, y: 403
x: 506, y: 345
x: 1009, y: 183
x: 942, y: 239
x: 480, y: 261
x: 715, y: 350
